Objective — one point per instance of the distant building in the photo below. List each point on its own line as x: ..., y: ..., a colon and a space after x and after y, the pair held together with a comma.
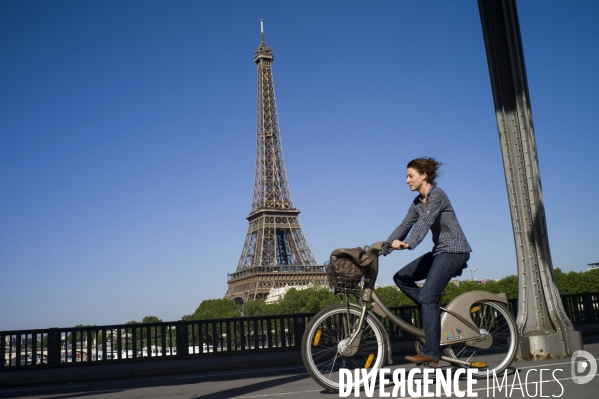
x: 593, y: 266
x: 276, y: 294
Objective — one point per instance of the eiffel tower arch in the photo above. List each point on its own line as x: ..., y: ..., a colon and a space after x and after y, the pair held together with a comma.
x: 275, y: 252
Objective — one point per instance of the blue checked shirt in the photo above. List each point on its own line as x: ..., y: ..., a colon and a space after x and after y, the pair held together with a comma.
x: 438, y: 217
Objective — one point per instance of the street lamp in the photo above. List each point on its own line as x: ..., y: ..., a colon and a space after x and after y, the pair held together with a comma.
x: 472, y: 270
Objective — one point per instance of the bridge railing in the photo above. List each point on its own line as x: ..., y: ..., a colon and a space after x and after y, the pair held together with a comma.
x: 582, y: 308
x: 151, y: 341
x: 74, y: 346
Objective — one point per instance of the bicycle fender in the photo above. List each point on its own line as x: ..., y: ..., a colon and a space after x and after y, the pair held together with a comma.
x: 456, y: 324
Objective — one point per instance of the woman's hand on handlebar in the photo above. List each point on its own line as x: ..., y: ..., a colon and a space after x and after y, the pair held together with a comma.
x: 387, y: 248
x: 396, y: 244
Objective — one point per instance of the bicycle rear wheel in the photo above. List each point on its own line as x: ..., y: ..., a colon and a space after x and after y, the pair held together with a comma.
x: 323, y: 340
x: 494, y: 319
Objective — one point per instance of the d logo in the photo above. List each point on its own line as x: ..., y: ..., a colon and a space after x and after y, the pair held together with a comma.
x: 579, y: 367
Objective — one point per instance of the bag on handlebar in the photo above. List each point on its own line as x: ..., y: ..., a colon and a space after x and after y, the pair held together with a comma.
x: 346, y: 267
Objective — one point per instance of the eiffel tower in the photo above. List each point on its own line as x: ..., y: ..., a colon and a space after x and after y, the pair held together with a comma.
x: 275, y: 252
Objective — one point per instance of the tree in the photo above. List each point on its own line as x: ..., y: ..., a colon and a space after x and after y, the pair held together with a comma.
x: 313, y: 299
x: 393, y: 297
x: 576, y: 283
x: 309, y: 300
x: 591, y: 281
x: 260, y: 308
x: 215, y: 309
x: 509, y: 285
x: 151, y: 319
x: 560, y: 280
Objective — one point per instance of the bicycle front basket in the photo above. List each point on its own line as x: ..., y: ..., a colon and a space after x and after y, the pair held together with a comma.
x: 343, y: 274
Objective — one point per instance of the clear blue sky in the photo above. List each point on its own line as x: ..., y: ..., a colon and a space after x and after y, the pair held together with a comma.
x: 128, y: 140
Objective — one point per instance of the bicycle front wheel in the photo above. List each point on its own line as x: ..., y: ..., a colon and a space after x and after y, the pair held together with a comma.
x: 494, y: 319
x: 324, y: 353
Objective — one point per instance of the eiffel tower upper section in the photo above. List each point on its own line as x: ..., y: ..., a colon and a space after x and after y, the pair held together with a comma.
x: 274, y: 242
x: 271, y: 190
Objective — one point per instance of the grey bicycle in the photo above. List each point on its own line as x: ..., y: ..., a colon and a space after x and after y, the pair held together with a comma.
x: 477, y: 331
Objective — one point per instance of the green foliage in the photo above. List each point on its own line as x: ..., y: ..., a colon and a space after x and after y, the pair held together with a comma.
x: 575, y: 283
x: 260, y: 308
x: 560, y: 280
x: 451, y: 291
x: 509, y: 285
x: 151, y: 319
x: 309, y: 300
x: 147, y: 319
x: 393, y: 297
x: 591, y: 281
x: 313, y: 299
x: 215, y: 309
x: 571, y: 283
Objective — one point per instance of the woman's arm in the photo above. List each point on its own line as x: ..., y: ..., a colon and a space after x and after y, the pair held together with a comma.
x: 403, y: 229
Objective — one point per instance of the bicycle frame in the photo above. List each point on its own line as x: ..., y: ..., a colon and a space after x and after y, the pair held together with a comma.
x: 454, y: 317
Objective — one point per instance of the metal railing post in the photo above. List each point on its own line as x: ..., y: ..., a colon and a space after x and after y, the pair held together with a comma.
x: 54, y: 346
x: 18, y: 349
x: 3, y: 350
x: 104, y: 351
x: 182, y: 338
x: 134, y: 342
x: 300, y: 327
x: 119, y: 344
x: 88, y: 340
x: 594, y: 301
x: 148, y: 330
x: 215, y: 341
x: 269, y: 333
x: 588, y: 307
x: 242, y: 336
x: 162, y: 328
x: 201, y: 339
x: 255, y: 325
x: 228, y: 335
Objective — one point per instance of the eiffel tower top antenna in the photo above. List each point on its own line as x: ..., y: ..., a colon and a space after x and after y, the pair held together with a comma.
x: 262, y: 29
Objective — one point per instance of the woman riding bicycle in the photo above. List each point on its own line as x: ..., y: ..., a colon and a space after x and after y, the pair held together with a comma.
x: 430, y: 210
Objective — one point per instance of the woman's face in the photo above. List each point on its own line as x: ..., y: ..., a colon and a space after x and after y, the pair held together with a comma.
x: 415, y: 179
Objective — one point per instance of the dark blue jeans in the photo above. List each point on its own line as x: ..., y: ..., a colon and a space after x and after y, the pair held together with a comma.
x: 438, y: 271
